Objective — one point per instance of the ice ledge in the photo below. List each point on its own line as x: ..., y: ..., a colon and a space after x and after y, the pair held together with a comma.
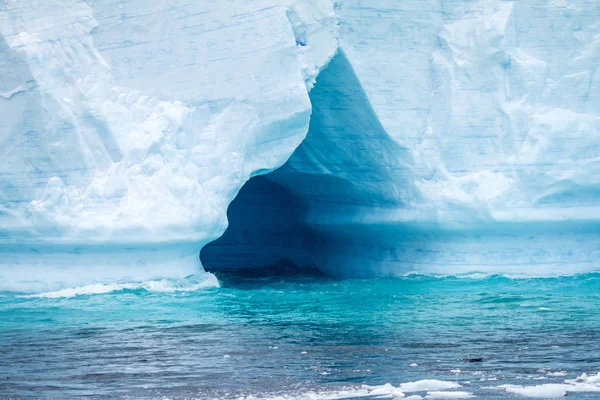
x: 37, y: 268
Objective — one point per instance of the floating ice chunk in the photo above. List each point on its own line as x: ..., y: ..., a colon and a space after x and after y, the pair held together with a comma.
x: 557, y: 373
x: 581, y: 384
x: 593, y: 379
x: 387, y: 391
x: 549, y: 390
x: 584, y: 383
x: 449, y: 395
x: 428, y: 385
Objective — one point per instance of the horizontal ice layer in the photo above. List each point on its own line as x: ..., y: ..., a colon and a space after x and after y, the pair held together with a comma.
x: 44, y: 267
x: 446, y: 137
x: 127, y: 128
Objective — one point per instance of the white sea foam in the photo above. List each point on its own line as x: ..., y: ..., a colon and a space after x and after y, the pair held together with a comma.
x: 189, y: 284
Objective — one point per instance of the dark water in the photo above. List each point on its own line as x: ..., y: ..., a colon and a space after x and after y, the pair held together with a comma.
x: 285, y: 335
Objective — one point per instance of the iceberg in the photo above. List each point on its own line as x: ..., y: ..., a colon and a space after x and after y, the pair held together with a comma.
x: 427, y: 136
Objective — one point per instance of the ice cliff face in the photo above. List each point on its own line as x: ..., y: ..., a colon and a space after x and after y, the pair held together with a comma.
x: 444, y: 136
x: 128, y: 127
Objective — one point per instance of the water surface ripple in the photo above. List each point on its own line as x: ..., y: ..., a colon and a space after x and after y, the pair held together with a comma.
x: 289, y: 334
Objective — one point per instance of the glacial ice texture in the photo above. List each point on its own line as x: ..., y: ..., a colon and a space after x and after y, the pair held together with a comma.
x: 444, y: 137
x: 128, y: 127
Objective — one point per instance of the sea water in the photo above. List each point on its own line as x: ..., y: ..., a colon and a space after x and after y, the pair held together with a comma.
x: 269, y: 334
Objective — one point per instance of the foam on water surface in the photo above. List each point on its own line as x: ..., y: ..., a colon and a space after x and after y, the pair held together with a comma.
x: 189, y: 284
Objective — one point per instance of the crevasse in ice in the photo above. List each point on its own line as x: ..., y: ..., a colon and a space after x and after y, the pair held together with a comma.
x: 445, y: 137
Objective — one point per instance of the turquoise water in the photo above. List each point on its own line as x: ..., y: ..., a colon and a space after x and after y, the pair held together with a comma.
x: 287, y: 334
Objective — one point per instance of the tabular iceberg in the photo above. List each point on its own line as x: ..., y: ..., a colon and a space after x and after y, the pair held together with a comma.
x: 440, y: 137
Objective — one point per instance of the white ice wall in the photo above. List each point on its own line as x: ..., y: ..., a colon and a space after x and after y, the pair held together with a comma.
x: 129, y: 125
x: 498, y: 102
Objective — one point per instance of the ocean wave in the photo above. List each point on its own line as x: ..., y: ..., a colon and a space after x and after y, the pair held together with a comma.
x: 188, y: 284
